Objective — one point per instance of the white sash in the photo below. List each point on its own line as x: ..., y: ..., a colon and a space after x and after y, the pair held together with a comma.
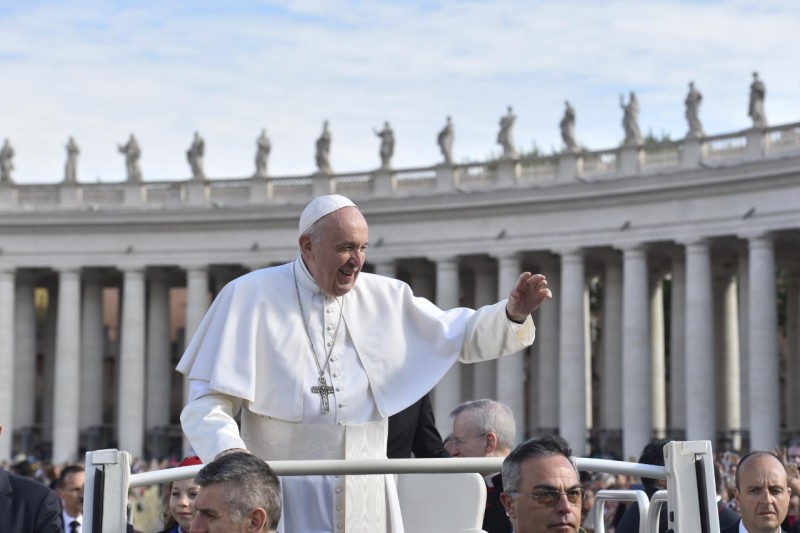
x: 357, y: 504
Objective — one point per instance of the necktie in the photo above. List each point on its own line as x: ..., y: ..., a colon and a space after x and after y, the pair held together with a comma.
x: 73, y: 526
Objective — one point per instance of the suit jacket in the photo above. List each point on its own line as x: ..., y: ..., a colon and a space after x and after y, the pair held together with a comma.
x: 495, y: 519
x: 734, y: 528
x: 414, y: 430
x: 28, y: 506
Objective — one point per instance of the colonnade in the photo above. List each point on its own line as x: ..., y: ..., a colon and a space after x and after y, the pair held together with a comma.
x: 604, y: 369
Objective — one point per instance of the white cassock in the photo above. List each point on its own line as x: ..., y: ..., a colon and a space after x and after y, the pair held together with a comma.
x: 388, y: 349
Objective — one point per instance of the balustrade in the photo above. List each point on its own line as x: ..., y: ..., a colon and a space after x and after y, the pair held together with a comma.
x: 550, y: 170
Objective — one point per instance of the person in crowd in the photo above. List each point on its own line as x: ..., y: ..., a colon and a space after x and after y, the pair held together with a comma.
x: 26, y: 505
x: 178, y: 509
x: 238, y: 493
x: 70, y: 489
x: 314, y: 351
x: 413, y: 430
x: 763, y: 493
x: 486, y: 428
x: 542, y: 487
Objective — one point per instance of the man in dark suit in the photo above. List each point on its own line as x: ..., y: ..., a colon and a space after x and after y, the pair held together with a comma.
x: 28, y: 506
x: 413, y: 430
x: 763, y: 493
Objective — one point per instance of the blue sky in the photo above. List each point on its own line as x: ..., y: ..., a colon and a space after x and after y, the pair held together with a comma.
x: 100, y: 70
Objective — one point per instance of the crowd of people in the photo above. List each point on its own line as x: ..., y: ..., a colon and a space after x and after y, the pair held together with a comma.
x: 538, y: 485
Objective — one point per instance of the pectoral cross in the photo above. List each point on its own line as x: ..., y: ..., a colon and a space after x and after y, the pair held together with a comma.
x: 323, y: 389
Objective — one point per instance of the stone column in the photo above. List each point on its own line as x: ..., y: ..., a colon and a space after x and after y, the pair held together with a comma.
x: 485, y: 373
x: 658, y: 360
x: 92, y: 352
x: 447, y: 394
x: 25, y: 360
x: 196, y: 299
x: 196, y: 307
x: 67, y: 382
x: 48, y: 349
x: 744, y: 337
x: 726, y: 341
x: 159, y: 363
x: 548, y: 330
x: 636, y: 385
x: 587, y: 349
x: 611, y: 385
x: 763, y: 370
x: 677, y: 355
x: 7, y: 386
x: 511, y: 368
x: 131, y: 402
x: 572, y: 353
x: 793, y: 348
x: 700, y: 397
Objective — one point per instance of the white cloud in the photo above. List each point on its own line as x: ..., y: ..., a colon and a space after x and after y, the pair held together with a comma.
x: 100, y: 70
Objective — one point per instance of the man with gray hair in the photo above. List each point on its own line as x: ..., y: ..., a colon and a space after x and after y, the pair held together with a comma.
x: 542, y: 487
x: 238, y: 492
x: 485, y: 428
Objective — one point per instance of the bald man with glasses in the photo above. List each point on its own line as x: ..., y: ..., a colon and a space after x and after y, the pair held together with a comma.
x: 542, y: 488
x: 485, y: 428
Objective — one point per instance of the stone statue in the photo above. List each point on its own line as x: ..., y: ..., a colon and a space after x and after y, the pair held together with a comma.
x: 756, y: 111
x: 71, y: 168
x: 568, y: 129
x: 445, y: 140
x: 387, y: 145
x: 324, y: 150
x: 505, y: 137
x: 630, y: 120
x: 195, y: 156
x: 132, y: 155
x: 6, y: 165
x: 263, y: 146
x: 693, y: 100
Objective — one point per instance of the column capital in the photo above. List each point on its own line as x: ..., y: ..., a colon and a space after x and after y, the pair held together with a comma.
x: 696, y: 246
x: 440, y: 259
x: 630, y: 246
x: 204, y: 267
x: 757, y: 238
x: 68, y: 270
x: 515, y: 254
x: 131, y: 270
x: 569, y: 251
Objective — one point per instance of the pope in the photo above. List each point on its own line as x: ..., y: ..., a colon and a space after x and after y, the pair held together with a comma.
x: 315, y: 355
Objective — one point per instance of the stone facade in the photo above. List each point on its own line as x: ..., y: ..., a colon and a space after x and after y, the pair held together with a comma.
x: 664, y: 260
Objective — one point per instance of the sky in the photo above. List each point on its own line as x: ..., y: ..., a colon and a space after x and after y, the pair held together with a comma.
x: 100, y: 70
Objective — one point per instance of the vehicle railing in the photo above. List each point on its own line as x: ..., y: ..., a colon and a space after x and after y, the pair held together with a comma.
x: 689, y: 466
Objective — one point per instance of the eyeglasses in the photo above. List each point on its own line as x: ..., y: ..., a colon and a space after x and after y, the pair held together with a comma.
x: 455, y: 441
x: 548, y: 498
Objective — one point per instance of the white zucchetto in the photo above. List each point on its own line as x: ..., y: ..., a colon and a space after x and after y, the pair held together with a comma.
x: 321, y: 206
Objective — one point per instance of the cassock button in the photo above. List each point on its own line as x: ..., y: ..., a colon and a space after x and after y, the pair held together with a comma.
x: 329, y: 310
x: 330, y: 328
x: 330, y: 343
x: 342, y: 404
x: 338, y: 507
x: 338, y: 490
x: 334, y: 358
x: 338, y: 389
x: 336, y: 374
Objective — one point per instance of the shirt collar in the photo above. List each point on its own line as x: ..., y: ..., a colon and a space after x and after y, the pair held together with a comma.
x: 304, y: 278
